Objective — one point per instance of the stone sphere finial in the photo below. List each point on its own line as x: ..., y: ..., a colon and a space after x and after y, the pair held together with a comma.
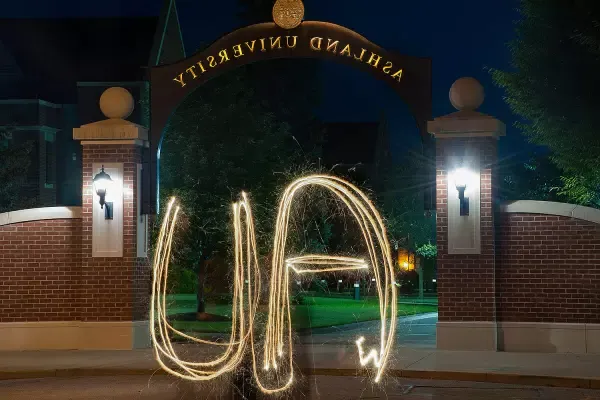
x: 116, y: 102
x: 466, y: 94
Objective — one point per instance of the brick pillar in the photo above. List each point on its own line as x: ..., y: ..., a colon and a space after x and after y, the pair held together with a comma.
x: 115, y: 279
x: 466, y: 151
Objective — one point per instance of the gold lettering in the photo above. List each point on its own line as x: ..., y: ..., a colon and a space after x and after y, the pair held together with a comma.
x: 398, y: 75
x: 362, y: 54
x: 374, y: 58
x: 251, y: 48
x: 262, y: 44
x: 316, y: 40
x: 201, y: 66
x: 211, y: 61
x: 276, y: 42
x: 287, y: 40
x: 346, y: 50
x: 224, y: 56
x: 237, y: 51
x: 191, y: 71
x: 180, y: 80
x: 387, y: 67
x: 332, y: 45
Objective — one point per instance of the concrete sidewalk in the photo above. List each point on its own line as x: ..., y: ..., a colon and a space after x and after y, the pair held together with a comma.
x: 559, y: 370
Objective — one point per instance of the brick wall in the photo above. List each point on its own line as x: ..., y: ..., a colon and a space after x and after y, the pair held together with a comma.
x: 466, y: 281
x: 115, y: 288
x: 47, y: 272
x: 142, y: 282
x: 548, y: 268
x: 39, y: 270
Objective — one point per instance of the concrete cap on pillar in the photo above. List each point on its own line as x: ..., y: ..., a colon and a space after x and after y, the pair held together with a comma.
x: 467, y: 94
x: 116, y: 102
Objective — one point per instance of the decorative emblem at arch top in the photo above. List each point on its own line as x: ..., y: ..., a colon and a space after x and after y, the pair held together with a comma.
x: 288, y: 14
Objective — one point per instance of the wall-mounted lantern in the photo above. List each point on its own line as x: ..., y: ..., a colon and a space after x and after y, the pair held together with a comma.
x: 461, y: 178
x: 101, y: 182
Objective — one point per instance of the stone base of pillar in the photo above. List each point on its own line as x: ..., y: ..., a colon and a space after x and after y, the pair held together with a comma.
x: 74, y: 335
x: 528, y: 337
x: 477, y: 335
x: 545, y: 337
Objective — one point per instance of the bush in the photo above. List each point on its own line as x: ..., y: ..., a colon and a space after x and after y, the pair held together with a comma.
x: 299, y: 299
x: 183, y: 280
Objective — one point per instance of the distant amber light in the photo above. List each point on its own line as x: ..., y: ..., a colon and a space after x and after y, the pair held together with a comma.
x: 406, y: 260
x: 288, y: 14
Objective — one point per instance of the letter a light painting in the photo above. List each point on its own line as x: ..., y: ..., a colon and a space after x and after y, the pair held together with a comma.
x: 272, y: 359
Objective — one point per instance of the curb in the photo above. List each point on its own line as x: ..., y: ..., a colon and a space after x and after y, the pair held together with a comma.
x: 513, y: 379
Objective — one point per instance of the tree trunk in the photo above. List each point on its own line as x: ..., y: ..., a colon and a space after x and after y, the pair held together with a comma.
x: 419, y: 267
x: 201, y: 308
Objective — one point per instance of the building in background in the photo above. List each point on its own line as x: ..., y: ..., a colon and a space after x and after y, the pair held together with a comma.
x: 52, y: 73
x: 358, y: 150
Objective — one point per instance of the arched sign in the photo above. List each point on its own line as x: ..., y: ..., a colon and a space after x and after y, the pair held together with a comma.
x: 410, y: 77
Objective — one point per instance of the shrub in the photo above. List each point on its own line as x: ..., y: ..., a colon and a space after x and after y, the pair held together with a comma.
x: 299, y: 299
x: 182, y: 280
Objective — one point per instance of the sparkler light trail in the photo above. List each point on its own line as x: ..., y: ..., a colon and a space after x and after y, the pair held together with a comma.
x: 277, y: 372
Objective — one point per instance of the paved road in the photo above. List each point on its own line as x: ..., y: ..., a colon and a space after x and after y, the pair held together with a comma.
x: 330, y: 388
x: 413, y: 331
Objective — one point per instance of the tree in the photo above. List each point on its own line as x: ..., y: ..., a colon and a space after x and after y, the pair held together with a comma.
x: 222, y: 141
x: 287, y: 87
x: 15, y: 161
x: 409, y: 226
x: 553, y: 86
x: 537, y: 178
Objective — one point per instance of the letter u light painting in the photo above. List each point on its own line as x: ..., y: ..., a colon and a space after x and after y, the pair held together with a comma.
x: 271, y: 350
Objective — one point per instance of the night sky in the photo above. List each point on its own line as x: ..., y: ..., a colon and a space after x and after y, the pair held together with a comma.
x: 462, y: 37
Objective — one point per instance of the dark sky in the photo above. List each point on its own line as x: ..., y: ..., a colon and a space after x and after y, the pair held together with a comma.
x: 462, y: 37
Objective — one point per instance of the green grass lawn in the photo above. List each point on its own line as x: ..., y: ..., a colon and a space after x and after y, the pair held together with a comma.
x: 318, y: 312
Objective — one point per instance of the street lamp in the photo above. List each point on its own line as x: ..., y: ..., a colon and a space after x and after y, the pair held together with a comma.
x: 101, y: 182
x: 461, y: 177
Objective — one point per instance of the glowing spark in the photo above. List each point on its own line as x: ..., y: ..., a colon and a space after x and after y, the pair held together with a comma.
x: 371, y: 356
x: 347, y: 263
x: 246, y: 272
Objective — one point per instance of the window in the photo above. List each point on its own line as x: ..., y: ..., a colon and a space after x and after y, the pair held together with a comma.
x: 5, y: 137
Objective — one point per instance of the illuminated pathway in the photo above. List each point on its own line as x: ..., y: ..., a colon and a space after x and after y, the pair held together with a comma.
x: 416, y: 331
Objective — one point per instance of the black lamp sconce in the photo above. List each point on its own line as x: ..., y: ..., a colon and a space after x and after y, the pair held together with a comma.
x: 101, y: 182
x: 460, y: 180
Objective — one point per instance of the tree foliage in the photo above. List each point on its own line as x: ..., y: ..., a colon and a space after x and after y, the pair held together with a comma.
x: 538, y: 178
x: 286, y: 87
x: 409, y: 226
x: 223, y: 140
x: 220, y: 142
x: 427, y: 250
x: 553, y: 86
